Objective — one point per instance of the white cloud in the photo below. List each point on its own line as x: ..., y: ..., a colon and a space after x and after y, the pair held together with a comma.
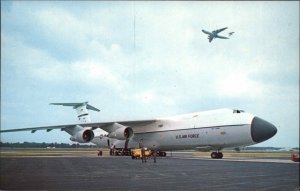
x: 151, y: 97
x: 84, y: 73
x: 41, y: 66
x: 237, y: 84
x: 146, y: 97
x: 92, y: 73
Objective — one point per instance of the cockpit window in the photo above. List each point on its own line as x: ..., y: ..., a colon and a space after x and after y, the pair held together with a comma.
x: 238, y: 111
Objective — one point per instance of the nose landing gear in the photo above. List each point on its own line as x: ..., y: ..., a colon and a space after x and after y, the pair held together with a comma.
x: 216, y: 155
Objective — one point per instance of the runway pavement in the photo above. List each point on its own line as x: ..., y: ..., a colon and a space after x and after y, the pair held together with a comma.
x: 123, y: 173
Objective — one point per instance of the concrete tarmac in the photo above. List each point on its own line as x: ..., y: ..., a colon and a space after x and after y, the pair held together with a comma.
x: 123, y: 173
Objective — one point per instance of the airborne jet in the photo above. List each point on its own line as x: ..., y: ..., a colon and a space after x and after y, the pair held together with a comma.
x: 231, y: 33
x: 211, y: 130
x: 214, y: 34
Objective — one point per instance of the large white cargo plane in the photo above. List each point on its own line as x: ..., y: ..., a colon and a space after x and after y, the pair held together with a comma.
x: 205, y: 131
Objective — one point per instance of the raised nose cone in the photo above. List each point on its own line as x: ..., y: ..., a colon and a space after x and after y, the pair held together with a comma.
x: 262, y: 130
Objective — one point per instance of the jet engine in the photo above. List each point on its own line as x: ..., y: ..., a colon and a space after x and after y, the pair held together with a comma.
x: 83, y: 136
x: 120, y: 132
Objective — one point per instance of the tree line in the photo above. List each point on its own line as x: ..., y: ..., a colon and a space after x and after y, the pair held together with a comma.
x: 45, y: 145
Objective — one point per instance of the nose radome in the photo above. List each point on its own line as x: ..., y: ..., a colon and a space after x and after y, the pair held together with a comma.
x: 261, y: 130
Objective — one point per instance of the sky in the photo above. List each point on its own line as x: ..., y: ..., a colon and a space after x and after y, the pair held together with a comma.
x: 147, y: 59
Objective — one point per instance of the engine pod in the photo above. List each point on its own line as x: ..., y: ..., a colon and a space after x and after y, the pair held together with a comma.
x: 120, y: 132
x: 83, y: 136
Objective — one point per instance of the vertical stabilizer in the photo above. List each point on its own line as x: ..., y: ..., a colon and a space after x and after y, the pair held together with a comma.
x: 82, y: 110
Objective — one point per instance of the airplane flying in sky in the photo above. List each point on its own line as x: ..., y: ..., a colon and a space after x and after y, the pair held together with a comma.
x: 214, y: 34
x: 211, y: 130
x: 231, y: 33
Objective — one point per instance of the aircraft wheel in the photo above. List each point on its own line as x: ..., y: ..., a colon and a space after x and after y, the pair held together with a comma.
x: 220, y: 155
x: 162, y: 154
x: 214, y: 155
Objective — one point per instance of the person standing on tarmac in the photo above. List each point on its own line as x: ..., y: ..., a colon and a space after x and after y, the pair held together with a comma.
x: 154, y: 154
x: 143, y: 155
x: 141, y: 145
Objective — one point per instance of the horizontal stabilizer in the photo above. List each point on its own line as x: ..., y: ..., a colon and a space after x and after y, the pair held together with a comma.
x: 76, y: 105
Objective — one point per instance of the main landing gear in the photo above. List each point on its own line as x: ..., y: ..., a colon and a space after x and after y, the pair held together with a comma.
x: 216, y: 155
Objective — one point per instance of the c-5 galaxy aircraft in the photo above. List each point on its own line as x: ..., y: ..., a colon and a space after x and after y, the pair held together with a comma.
x: 214, y: 34
x: 205, y: 131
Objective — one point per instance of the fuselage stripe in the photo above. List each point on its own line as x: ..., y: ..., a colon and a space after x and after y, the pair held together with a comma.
x: 190, y: 128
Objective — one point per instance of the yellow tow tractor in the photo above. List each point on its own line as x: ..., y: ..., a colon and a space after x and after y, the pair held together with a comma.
x: 137, y: 153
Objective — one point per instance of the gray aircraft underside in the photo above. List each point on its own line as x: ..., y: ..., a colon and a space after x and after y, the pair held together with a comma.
x: 207, y: 130
x: 215, y: 34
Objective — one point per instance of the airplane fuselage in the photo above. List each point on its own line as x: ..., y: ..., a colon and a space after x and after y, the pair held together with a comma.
x: 210, y: 130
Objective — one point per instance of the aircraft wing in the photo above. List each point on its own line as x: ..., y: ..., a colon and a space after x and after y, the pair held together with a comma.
x: 34, y: 129
x: 206, y: 32
x: 106, y: 126
x: 223, y: 37
x: 220, y: 30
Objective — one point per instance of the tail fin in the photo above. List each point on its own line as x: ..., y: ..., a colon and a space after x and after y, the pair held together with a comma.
x: 82, y: 110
